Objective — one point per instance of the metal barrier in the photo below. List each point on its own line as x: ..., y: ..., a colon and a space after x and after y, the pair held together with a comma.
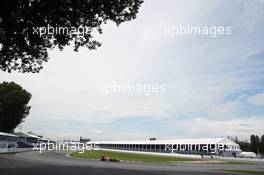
x: 14, y: 150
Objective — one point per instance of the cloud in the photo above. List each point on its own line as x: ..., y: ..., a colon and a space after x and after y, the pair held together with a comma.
x: 257, y: 99
x: 242, y: 127
x: 203, y: 75
x: 96, y: 131
x: 224, y: 111
x: 252, y: 10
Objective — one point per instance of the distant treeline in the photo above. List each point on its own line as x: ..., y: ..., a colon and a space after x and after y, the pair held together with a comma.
x: 256, y: 144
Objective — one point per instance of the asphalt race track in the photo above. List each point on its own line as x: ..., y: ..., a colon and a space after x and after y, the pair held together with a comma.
x: 56, y: 163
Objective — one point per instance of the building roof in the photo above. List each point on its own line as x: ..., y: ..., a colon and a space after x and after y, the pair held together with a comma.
x: 27, y: 135
x: 7, y: 134
x: 174, y: 141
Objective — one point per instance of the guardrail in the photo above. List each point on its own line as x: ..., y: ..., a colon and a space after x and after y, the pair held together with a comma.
x: 14, y: 150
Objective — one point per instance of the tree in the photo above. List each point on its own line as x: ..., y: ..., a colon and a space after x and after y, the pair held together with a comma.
x: 255, y: 144
x: 23, y: 47
x: 258, y: 144
x: 244, y: 145
x: 262, y: 144
x: 13, y: 105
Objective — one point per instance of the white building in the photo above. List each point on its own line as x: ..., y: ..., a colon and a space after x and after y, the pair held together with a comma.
x: 7, y: 141
x: 30, y: 138
x: 206, y: 146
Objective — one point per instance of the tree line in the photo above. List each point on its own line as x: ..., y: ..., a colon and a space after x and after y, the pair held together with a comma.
x: 255, y: 144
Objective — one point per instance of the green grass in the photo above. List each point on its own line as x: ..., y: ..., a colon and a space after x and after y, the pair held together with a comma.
x: 246, y: 171
x: 96, y: 154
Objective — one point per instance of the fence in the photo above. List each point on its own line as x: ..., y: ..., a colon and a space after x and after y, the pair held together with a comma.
x: 14, y: 150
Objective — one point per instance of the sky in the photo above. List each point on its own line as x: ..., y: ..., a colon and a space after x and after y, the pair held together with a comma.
x: 213, y: 86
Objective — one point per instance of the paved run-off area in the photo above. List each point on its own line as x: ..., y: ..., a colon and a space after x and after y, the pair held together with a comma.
x: 59, y: 163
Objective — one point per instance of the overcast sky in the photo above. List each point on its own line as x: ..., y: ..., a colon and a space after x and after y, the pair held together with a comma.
x: 214, y: 86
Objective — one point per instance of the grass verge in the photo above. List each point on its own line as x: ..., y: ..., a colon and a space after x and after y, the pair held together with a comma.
x: 96, y: 154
